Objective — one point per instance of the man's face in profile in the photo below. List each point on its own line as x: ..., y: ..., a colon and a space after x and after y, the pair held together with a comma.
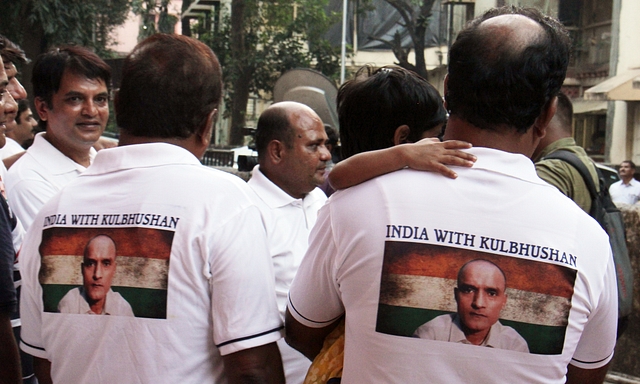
x: 98, y: 268
x: 480, y: 296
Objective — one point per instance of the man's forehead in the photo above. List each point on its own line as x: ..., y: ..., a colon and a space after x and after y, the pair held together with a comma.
x: 71, y: 79
x: 482, y: 269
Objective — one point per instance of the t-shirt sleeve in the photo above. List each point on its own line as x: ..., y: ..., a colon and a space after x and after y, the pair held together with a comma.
x: 244, y: 309
x: 27, y: 197
x: 595, y: 348
x: 314, y: 297
x: 31, y: 295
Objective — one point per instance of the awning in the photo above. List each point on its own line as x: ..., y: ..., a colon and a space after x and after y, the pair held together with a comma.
x: 625, y: 86
x: 589, y: 106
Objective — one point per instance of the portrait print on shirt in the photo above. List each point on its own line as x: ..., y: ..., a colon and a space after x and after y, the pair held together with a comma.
x: 105, y: 271
x: 473, y: 297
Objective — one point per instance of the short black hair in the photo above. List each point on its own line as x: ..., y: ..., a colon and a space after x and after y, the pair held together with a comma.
x: 631, y: 163
x: 170, y: 84
x: 23, y: 105
x: 50, y: 66
x: 491, y: 83
x: 273, y: 124
x: 378, y: 101
x: 11, y: 52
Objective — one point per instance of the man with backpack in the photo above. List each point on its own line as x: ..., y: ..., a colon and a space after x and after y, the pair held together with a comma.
x: 558, y: 172
x: 564, y: 164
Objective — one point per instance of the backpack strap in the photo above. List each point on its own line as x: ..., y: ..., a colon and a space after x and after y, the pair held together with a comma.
x: 576, y: 163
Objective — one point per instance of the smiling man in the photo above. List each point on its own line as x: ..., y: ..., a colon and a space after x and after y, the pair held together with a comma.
x: 96, y: 297
x: 71, y: 89
x: 292, y: 156
x: 480, y: 296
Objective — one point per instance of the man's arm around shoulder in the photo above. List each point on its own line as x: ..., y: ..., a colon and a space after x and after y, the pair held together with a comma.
x: 306, y: 340
x: 261, y: 364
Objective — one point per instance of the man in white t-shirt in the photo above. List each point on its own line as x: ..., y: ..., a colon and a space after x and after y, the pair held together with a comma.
x: 290, y: 140
x: 20, y: 131
x: 385, y: 253
x: 627, y: 189
x: 71, y: 93
x: 192, y: 252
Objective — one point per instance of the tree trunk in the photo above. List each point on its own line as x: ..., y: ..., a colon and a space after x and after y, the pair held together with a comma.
x: 241, y: 82
x: 33, y: 43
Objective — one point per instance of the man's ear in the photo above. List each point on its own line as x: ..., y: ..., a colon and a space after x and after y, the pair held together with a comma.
x: 275, y: 151
x: 204, y: 134
x: 401, y: 135
x: 446, y: 80
x: 41, y: 108
x: 541, y: 123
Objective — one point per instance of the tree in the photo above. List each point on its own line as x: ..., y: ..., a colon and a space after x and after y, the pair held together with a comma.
x: 37, y: 25
x: 260, y: 40
x: 415, y: 16
x: 56, y: 22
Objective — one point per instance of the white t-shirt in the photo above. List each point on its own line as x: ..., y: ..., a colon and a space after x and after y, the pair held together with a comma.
x: 625, y: 193
x: 11, y: 147
x: 288, y: 222
x: 192, y: 263
x: 37, y: 176
x: 17, y: 232
x: 387, y: 252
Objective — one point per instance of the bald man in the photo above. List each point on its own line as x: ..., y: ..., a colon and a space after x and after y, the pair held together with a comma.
x: 505, y: 69
x: 292, y: 156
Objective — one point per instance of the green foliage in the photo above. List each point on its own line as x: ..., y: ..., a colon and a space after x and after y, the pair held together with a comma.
x: 81, y: 22
x: 274, y: 42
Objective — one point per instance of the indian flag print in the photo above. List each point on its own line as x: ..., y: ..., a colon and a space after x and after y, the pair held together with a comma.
x: 142, y: 265
x: 418, y: 280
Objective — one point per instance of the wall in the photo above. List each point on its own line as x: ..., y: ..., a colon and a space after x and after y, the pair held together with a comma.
x: 628, y: 56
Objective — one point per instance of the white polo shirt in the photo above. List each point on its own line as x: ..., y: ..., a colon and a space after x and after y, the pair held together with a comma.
x: 288, y: 222
x: 387, y: 253
x: 37, y: 176
x: 192, y: 263
x: 11, y: 147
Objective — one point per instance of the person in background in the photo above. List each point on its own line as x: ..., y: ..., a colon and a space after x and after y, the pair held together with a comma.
x: 627, y: 189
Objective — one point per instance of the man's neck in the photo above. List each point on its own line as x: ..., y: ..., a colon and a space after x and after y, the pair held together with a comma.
x: 626, y: 180
x: 81, y: 156
x: 502, y: 138
x: 281, y: 182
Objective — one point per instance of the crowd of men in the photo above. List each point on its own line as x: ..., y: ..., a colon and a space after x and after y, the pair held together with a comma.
x: 142, y: 265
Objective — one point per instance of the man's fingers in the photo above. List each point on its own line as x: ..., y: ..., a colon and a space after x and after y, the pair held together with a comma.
x: 458, y: 158
x: 445, y: 171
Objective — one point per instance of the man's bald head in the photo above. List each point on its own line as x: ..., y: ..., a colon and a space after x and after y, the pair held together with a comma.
x: 274, y: 124
x: 290, y: 139
x: 506, y: 67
